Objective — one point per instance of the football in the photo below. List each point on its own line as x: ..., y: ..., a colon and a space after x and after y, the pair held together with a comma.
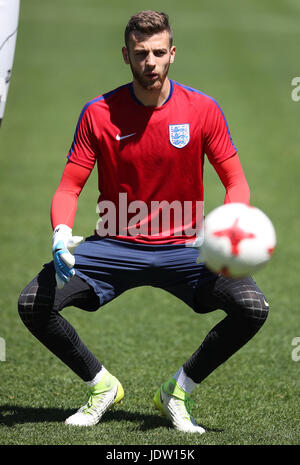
x: 238, y: 240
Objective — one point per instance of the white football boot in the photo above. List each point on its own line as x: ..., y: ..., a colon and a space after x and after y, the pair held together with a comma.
x: 175, y: 403
x: 101, y: 397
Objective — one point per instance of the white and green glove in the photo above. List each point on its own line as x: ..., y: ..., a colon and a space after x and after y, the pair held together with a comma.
x: 63, y: 248
x: 198, y: 242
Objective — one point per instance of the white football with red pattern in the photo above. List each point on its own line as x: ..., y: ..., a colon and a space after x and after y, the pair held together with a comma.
x: 238, y: 240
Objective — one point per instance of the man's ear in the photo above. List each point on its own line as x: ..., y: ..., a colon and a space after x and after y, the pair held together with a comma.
x: 173, y: 51
x: 125, y: 55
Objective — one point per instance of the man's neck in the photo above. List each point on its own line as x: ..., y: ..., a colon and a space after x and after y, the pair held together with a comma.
x: 152, y: 98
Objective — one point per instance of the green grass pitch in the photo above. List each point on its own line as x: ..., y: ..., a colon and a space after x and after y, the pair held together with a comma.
x: 245, y: 54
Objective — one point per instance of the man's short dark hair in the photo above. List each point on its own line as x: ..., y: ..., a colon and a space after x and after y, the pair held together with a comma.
x: 148, y: 22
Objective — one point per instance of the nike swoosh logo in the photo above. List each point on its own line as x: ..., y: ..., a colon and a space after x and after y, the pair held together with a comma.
x: 118, y: 137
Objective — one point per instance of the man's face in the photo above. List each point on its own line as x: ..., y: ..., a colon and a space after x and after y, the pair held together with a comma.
x: 149, y: 58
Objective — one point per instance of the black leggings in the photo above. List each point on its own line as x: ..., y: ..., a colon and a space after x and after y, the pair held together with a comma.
x: 39, y: 306
x: 41, y: 301
x: 247, y: 310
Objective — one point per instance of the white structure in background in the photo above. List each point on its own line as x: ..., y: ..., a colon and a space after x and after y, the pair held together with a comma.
x: 9, y: 19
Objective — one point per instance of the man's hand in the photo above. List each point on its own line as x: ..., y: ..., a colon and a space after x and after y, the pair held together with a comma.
x: 197, y: 244
x: 63, y: 247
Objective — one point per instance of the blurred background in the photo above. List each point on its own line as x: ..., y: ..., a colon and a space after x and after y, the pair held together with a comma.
x: 245, y: 55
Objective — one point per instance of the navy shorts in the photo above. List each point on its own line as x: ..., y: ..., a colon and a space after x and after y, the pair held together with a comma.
x: 112, y: 267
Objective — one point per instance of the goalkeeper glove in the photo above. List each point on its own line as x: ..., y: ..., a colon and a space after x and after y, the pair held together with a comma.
x: 198, y: 242
x: 63, y: 247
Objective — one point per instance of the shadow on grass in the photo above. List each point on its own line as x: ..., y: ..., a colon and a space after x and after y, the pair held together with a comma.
x: 11, y: 415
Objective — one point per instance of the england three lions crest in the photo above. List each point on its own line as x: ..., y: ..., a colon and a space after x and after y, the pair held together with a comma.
x: 179, y: 135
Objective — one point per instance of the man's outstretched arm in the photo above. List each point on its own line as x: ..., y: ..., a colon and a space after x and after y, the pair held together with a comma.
x: 64, y: 202
x: 63, y: 210
x: 231, y: 174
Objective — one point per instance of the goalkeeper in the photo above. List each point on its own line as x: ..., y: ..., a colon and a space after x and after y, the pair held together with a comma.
x: 148, y: 139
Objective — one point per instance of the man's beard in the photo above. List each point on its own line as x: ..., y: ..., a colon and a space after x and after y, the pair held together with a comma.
x: 145, y: 83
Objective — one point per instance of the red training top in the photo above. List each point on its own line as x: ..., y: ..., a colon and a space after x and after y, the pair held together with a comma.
x: 150, y: 164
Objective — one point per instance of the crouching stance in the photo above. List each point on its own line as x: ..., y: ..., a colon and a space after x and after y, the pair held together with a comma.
x: 149, y: 139
x: 40, y: 306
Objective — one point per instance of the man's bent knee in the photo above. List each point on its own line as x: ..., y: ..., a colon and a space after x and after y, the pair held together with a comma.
x: 34, y: 305
x: 244, y: 300
x: 239, y: 298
